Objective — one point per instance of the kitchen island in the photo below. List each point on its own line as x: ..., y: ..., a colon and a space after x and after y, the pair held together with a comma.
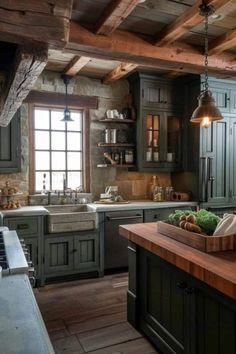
x: 184, y: 300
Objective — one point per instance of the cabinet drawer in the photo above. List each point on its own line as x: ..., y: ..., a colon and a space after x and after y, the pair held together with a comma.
x: 158, y: 214
x: 24, y: 226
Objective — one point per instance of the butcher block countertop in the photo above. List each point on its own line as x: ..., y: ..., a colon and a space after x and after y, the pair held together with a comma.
x: 218, y: 270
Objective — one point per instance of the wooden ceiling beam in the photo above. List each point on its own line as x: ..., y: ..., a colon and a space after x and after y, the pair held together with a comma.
x: 128, y: 47
x: 189, y: 19
x: 42, y: 21
x: 75, y: 65
x: 115, y: 13
x: 29, y: 63
x: 223, y: 42
x: 120, y: 71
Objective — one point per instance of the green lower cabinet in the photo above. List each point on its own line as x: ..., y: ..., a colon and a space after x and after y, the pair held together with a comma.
x: 68, y: 254
x: 58, y: 256
x: 86, y: 256
x: 176, y: 311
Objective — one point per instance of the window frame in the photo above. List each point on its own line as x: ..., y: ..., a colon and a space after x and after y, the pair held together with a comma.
x: 85, y: 144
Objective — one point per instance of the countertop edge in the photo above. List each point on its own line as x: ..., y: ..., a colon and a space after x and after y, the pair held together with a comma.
x: 197, y: 268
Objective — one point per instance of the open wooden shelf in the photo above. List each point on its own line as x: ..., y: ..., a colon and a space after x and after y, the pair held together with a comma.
x: 116, y: 166
x: 116, y: 120
x: 116, y: 144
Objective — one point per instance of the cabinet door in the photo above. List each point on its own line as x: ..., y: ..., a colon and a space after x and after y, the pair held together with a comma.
x: 156, y: 94
x: 232, y: 101
x: 10, y: 139
x: 164, y: 305
x: 59, y: 255
x: 215, y: 151
x: 232, y: 163
x: 86, y: 251
x: 161, y: 136
x: 222, y: 97
x: 215, y: 322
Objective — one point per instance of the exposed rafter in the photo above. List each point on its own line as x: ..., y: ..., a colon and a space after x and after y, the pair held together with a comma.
x: 29, y: 63
x: 128, y: 47
x: 115, y: 13
x: 43, y: 21
x: 119, y: 72
x: 189, y: 19
x: 75, y: 65
x: 222, y: 43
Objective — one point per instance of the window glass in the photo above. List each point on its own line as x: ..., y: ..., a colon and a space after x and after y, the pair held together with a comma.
x: 57, y: 149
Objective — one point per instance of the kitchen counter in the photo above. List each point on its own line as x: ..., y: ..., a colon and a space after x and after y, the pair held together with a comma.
x: 24, y: 211
x: 22, y: 329
x: 218, y: 270
x: 146, y: 204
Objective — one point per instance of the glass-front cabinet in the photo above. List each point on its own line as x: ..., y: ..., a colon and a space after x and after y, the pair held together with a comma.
x: 161, y: 140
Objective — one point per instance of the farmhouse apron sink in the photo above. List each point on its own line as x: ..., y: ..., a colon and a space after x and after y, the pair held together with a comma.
x: 66, y: 218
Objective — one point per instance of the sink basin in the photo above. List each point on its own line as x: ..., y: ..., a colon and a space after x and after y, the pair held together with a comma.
x: 66, y: 218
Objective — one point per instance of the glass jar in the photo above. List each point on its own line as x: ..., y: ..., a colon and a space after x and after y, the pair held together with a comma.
x: 129, y: 156
x: 158, y: 194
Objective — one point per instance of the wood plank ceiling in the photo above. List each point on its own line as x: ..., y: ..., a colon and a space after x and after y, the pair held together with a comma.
x: 108, y: 39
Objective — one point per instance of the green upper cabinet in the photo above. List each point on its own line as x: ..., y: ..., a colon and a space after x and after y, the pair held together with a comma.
x: 10, y: 146
x: 159, y: 123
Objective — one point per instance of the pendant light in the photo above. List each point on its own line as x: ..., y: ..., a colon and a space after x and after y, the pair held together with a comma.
x: 67, y: 114
x: 207, y: 111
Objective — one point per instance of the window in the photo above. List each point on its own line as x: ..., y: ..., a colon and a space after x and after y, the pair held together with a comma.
x: 58, y: 149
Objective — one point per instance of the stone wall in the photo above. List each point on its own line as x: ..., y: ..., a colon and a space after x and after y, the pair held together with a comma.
x: 132, y: 185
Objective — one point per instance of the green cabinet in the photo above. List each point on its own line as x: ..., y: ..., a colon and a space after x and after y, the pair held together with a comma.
x: 10, y: 146
x: 176, y: 311
x: 209, y: 154
x: 29, y: 228
x: 159, y: 123
x: 71, y: 253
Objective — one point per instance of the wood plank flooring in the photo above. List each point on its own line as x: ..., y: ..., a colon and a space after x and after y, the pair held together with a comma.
x: 89, y: 316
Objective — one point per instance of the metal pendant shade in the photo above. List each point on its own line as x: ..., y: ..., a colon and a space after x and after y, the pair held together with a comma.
x: 67, y: 114
x: 207, y: 111
x: 206, y: 108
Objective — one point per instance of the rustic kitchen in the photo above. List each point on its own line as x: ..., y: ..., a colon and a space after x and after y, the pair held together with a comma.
x: 117, y: 176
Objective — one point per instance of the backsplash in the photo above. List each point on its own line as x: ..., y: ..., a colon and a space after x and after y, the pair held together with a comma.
x: 132, y: 185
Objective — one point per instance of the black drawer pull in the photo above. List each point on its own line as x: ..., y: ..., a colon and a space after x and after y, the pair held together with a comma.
x: 22, y: 226
x: 125, y: 217
x: 74, y: 250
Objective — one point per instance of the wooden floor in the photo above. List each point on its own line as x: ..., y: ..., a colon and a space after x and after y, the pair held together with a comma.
x: 89, y: 316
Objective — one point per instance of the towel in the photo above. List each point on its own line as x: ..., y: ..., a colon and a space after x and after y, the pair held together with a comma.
x: 227, y: 226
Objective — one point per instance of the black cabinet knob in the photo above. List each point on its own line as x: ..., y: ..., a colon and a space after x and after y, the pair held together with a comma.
x: 189, y: 291
x: 182, y: 285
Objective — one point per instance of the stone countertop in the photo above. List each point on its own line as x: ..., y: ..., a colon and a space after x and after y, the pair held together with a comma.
x: 146, y: 204
x: 24, y: 211
x: 216, y: 269
x: 22, y: 329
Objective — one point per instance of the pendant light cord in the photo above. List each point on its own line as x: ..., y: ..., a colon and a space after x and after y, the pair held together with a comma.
x: 206, y: 52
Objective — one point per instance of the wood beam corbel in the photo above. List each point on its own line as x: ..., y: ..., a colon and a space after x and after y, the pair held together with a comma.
x: 120, y: 71
x: 115, y: 13
x: 29, y: 63
x: 128, y: 47
x: 75, y: 65
x: 184, y: 23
